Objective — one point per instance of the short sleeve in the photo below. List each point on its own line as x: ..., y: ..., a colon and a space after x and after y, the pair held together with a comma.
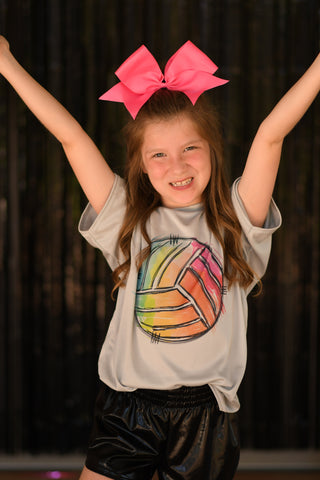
x: 102, y: 230
x: 256, y: 240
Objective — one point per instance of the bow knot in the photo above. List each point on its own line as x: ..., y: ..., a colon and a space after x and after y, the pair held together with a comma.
x: 189, y: 70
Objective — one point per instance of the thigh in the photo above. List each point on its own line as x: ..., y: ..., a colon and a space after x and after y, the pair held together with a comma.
x: 124, y: 444
x: 203, y: 443
x: 87, y: 474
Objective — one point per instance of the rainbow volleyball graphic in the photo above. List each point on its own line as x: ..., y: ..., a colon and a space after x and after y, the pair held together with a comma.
x: 179, y: 291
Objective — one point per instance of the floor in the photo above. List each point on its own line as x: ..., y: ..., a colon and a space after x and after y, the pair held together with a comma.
x: 242, y: 475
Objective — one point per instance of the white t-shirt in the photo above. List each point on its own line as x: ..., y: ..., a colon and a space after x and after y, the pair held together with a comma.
x: 176, y: 322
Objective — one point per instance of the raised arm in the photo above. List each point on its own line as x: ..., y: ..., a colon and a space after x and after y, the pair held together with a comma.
x: 257, y: 182
x: 94, y: 174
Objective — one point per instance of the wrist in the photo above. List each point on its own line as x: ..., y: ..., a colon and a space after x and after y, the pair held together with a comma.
x: 8, y: 63
x: 6, y: 57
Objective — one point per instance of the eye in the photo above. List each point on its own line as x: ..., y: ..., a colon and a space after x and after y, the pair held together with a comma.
x: 158, y: 155
x: 190, y: 147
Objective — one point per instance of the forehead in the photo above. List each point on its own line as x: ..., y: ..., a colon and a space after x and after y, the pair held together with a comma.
x: 174, y: 129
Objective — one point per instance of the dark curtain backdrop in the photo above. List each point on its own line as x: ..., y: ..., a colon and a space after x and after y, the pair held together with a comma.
x: 55, y: 289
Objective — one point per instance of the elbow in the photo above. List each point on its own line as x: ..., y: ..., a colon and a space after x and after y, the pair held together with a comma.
x: 72, y: 136
x: 269, y: 134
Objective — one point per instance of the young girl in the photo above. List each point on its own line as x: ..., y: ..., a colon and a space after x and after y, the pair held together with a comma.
x: 185, y: 252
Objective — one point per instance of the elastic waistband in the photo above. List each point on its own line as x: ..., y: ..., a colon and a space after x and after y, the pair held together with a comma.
x: 184, y: 397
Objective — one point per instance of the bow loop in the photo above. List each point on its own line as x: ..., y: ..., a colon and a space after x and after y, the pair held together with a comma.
x: 140, y: 72
x: 189, y: 57
x: 189, y: 70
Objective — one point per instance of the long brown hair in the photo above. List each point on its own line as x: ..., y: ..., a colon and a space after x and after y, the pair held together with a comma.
x: 143, y: 199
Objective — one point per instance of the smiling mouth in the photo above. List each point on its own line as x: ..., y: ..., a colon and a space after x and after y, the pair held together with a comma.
x: 183, y: 183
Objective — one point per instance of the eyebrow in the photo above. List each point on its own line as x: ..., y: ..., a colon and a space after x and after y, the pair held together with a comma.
x: 161, y: 149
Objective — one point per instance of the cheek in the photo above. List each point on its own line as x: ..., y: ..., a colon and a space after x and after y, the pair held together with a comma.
x: 207, y: 167
x: 209, y: 171
x: 155, y: 171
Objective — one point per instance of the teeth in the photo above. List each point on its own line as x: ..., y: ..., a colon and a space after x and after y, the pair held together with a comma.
x: 183, y: 183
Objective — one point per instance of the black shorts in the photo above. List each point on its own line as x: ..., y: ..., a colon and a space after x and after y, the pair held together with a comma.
x: 180, y: 433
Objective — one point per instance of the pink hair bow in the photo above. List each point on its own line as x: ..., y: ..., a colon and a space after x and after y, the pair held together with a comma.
x: 189, y: 70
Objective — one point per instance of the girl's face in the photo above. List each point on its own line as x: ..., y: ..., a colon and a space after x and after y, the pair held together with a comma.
x: 177, y: 161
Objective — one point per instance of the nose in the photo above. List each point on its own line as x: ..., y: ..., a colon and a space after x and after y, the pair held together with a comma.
x: 177, y: 163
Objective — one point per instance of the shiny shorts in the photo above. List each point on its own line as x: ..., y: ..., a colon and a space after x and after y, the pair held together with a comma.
x: 180, y: 433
